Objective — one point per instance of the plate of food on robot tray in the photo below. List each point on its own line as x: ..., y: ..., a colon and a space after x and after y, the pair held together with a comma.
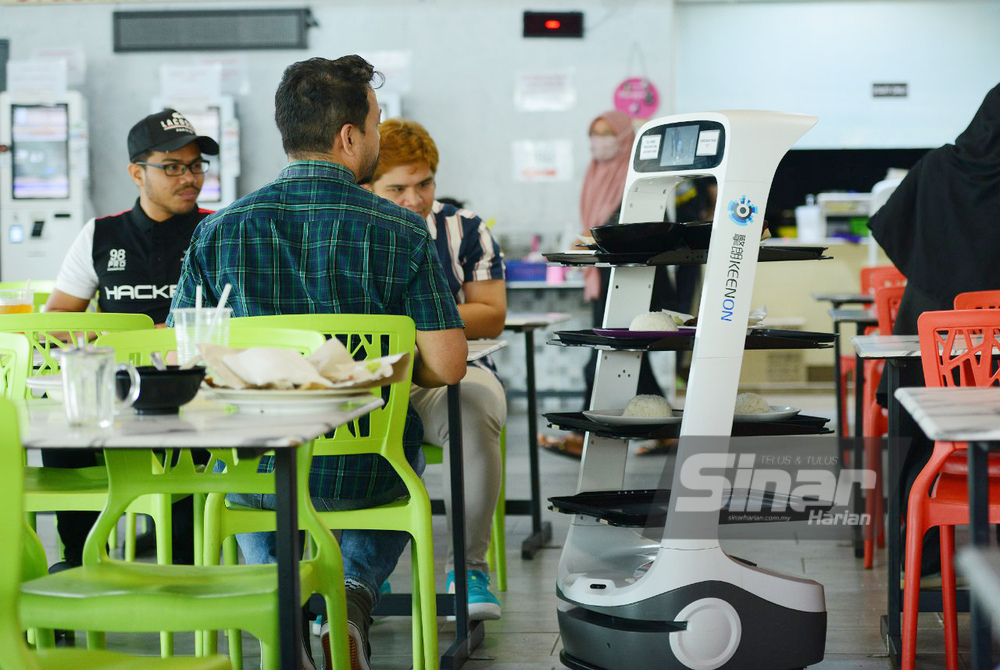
x: 642, y: 410
x: 754, y: 408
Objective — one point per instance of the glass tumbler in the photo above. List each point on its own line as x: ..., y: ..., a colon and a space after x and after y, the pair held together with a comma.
x: 88, y: 375
x: 195, y: 326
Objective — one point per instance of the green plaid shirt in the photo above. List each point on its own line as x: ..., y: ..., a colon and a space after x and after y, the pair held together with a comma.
x: 314, y: 242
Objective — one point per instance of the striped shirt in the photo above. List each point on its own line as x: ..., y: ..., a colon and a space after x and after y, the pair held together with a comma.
x: 314, y: 242
x: 467, y: 252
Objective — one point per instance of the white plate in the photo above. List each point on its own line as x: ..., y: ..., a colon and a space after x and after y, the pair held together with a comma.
x: 281, y: 402
x: 613, y: 417
x: 776, y: 414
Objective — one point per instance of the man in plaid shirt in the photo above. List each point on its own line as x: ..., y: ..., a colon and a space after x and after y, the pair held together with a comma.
x: 313, y: 241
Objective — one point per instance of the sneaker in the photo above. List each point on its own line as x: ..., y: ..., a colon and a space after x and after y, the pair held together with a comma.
x: 483, y: 605
x: 356, y: 647
x: 307, y: 660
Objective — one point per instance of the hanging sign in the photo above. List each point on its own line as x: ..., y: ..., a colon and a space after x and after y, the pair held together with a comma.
x: 637, y: 97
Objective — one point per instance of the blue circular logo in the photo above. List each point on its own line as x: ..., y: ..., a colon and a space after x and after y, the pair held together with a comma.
x: 741, y: 211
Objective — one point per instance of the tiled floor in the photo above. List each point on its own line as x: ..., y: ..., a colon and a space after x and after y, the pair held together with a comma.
x: 528, y: 636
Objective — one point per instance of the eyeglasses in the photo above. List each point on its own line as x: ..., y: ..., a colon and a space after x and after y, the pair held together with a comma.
x: 178, y: 169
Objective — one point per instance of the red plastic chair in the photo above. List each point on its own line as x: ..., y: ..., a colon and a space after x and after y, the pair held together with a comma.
x: 876, y: 422
x: 956, y: 349
x: 871, y: 278
x: 978, y: 300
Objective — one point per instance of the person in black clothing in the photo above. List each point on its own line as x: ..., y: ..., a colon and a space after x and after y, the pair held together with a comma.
x: 941, y: 228
x: 132, y: 261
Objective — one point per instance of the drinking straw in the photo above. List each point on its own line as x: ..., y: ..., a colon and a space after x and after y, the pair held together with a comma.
x: 217, y: 315
x: 197, y: 296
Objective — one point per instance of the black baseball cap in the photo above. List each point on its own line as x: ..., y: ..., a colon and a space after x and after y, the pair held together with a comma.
x: 166, y: 131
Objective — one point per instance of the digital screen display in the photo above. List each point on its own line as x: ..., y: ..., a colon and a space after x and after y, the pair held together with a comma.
x: 679, y: 145
x: 208, y: 122
x: 40, y: 138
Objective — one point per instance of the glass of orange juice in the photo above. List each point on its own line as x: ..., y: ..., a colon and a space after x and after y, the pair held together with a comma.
x: 17, y: 300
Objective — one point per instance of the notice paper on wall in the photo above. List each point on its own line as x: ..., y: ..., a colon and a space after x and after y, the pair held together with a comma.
x: 38, y: 78
x: 76, y: 62
x: 544, y: 90
x: 235, y: 80
x: 542, y: 161
x: 191, y: 82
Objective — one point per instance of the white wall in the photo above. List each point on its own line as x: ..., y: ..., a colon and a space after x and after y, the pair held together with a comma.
x: 822, y: 58
x: 465, y: 56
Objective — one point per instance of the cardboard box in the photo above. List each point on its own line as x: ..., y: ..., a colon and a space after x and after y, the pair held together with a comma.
x: 775, y: 367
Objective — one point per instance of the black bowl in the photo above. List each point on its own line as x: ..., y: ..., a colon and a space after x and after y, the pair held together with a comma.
x: 629, y: 238
x: 161, y: 391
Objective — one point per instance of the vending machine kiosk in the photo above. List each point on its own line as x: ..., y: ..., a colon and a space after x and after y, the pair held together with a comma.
x: 44, y: 182
x: 215, y: 118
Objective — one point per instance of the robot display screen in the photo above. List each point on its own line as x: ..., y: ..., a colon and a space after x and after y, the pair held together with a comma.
x: 679, y: 145
x: 40, y: 138
x: 208, y: 122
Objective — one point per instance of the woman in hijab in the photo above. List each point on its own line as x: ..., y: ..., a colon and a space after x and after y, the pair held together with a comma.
x: 941, y: 228
x: 611, y: 138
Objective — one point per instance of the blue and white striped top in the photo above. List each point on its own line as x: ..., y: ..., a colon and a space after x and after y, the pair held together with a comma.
x: 467, y: 252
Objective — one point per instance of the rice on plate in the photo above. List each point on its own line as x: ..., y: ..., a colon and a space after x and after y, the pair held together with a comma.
x: 648, y: 407
x: 663, y: 321
x: 751, y: 403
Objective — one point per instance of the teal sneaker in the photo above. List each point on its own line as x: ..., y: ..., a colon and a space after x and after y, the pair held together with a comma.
x: 483, y: 605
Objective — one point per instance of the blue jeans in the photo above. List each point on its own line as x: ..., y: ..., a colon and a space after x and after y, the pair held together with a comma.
x: 370, y: 556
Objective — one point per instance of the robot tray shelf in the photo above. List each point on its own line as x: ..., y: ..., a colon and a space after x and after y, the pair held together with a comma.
x: 799, y: 424
x: 768, y: 253
x: 683, y: 340
x: 648, y: 507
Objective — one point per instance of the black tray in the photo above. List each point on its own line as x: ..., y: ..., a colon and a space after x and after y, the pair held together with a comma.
x: 759, y: 338
x: 800, y: 424
x: 648, y: 507
x: 685, y: 256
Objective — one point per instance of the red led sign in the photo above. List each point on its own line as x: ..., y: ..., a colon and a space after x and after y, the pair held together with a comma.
x: 553, y: 24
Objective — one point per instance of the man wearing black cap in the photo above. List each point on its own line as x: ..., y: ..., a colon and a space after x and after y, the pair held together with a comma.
x: 133, y: 260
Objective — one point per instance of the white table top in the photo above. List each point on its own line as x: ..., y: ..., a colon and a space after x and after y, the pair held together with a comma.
x: 844, y: 297
x: 887, y: 346
x: 867, y: 316
x: 482, y: 348
x: 515, y: 285
x: 201, y: 423
x: 960, y: 414
x: 522, y: 321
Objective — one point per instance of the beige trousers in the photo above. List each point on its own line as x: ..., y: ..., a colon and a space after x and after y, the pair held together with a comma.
x: 484, y: 413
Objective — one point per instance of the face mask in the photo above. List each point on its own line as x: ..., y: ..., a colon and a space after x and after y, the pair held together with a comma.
x: 603, y: 147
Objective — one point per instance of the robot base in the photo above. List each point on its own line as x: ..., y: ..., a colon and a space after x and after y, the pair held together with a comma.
x: 719, y: 625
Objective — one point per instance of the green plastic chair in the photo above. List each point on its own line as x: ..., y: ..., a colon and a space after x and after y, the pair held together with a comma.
x: 22, y: 557
x: 44, y: 330
x: 144, y: 597
x: 51, y: 489
x: 366, y: 336
x: 15, y: 363
x: 497, y: 554
x: 136, y: 347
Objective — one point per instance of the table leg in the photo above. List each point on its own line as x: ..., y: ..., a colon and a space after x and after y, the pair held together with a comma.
x: 979, y: 521
x: 859, y: 448
x: 841, y: 410
x: 287, y: 549
x: 459, y: 651
x: 540, y: 532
